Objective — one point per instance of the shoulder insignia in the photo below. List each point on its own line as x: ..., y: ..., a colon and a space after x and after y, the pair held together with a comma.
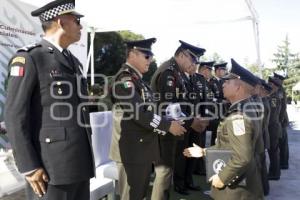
x: 238, y: 125
x: 29, y: 47
x: 18, y: 59
x: 17, y: 71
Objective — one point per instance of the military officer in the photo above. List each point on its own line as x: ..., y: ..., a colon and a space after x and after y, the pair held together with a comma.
x: 213, y: 93
x: 220, y: 72
x: 264, y: 93
x: 169, y: 83
x: 45, y: 113
x: 239, y: 131
x: 274, y: 130
x: 136, y: 125
x: 260, y: 98
x: 196, y: 96
x: 284, y: 120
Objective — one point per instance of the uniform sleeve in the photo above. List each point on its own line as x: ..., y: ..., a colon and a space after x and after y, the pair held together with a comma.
x: 131, y: 101
x: 21, y: 83
x: 239, y: 133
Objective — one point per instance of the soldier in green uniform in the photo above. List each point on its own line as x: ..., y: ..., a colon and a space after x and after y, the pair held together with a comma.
x: 284, y: 120
x: 274, y: 130
x: 239, y: 132
x: 136, y: 126
x: 169, y: 83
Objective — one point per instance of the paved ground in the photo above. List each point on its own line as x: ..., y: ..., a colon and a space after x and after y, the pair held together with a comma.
x: 287, y: 188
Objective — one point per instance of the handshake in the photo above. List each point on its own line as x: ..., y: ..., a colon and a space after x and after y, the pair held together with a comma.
x: 198, y: 124
x: 173, y: 111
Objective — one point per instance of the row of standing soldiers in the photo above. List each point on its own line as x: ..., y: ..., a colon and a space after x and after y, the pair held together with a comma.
x: 198, y: 94
x: 206, y: 89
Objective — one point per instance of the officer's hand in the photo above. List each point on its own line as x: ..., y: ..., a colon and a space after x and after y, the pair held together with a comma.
x: 195, y: 151
x: 199, y: 124
x: 216, y: 181
x: 176, y: 128
x: 37, y: 181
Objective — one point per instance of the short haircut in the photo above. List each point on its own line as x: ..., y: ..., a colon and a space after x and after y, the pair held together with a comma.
x: 46, y: 25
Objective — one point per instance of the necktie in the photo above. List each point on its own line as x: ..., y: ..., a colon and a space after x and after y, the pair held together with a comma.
x: 69, y: 58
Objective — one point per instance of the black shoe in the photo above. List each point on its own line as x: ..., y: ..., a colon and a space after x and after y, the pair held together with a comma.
x: 193, y: 187
x: 181, y: 190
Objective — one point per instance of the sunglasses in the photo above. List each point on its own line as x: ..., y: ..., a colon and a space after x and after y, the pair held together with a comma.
x: 192, y: 58
x: 77, y: 20
x: 147, y: 56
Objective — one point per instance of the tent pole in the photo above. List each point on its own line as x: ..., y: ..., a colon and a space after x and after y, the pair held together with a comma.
x: 92, y: 56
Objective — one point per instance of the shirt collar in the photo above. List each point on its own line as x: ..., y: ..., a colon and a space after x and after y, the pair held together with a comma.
x: 50, y: 40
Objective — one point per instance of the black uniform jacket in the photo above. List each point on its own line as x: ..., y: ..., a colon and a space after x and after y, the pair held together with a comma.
x: 43, y: 111
x: 136, y: 126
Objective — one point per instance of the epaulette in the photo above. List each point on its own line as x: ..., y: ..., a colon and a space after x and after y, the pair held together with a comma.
x: 121, y: 72
x: 29, y: 47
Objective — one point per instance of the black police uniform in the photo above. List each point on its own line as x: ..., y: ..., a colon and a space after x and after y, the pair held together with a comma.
x: 42, y: 109
x: 46, y: 114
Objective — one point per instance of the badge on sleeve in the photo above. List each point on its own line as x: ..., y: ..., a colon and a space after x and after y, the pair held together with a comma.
x: 17, y: 71
x: 128, y: 84
x: 18, y: 59
x: 238, y: 127
x: 170, y: 83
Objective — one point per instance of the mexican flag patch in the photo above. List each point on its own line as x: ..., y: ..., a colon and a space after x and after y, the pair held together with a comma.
x: 128, y: 84
x: 17, y: 71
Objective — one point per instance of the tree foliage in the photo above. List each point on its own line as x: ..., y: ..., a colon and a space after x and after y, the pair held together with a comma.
x: 284, y: 58
x: 289, y: 63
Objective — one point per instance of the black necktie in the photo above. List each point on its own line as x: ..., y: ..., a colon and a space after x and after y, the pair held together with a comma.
x: 68, y: 56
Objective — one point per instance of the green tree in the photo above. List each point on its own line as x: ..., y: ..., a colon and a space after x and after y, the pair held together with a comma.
x: 128, y: 35
x: 288, y: 62
x: 284, y: 58
x: 109, y: 53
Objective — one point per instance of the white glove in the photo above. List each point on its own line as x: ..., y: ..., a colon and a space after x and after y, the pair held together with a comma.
x: 195, y: 151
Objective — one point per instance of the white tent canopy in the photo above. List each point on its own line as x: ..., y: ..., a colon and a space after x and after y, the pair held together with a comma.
x: 229, y: 27
x: 195, y: 21
x: 156, y: 14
